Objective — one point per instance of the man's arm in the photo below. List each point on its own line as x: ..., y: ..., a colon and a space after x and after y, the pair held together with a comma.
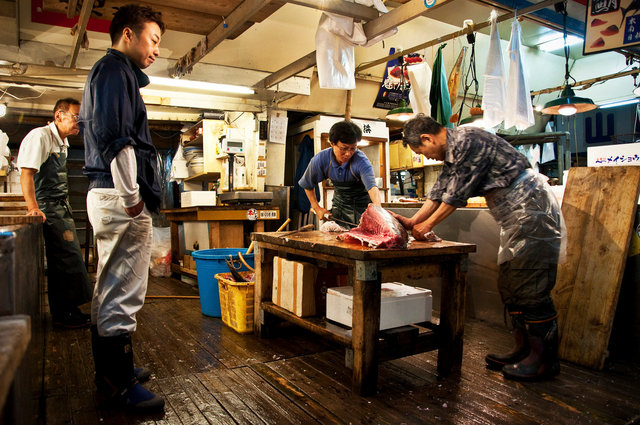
x: 320, y: 211
x: 374, y: 194
x: 29, y: 192
x: 420, y: 229
x: 124, y: 172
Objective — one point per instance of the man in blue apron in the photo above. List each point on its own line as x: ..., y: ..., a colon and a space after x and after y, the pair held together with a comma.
x: 478, y: 163
x: 350, y: 172
x: 42, y: 160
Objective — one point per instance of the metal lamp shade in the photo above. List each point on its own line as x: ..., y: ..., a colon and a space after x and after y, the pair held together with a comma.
x: 402, y: 113
x: 568, y: 104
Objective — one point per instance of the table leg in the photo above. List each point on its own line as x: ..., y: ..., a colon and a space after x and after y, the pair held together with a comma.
x: 263, y: 261
x: 452, y: 311
x: 366, y: 324
x: 174, y: 228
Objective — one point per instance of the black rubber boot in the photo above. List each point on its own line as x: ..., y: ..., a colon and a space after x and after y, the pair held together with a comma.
x: 114, y: 363
x: 518, y: 352
x: 142, y: 374
x: 542, y: 362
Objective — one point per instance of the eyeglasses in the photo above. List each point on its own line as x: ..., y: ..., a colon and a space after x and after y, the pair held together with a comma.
x: 75, y: 117
x: 345, y: 150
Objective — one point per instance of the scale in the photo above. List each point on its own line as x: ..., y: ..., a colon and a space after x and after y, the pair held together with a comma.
x: 232, y: 147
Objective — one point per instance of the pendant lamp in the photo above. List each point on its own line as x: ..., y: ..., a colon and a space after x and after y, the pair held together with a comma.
x: 568, y: 103
x: 403, y: 111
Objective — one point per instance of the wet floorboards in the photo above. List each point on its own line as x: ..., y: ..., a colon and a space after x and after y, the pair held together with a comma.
x: 209, y: 374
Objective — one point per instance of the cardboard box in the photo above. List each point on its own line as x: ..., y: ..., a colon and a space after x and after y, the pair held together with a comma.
x: 197, y: 198
x: 400, y: 305
x: 394, y: 162
x: 293, y: 283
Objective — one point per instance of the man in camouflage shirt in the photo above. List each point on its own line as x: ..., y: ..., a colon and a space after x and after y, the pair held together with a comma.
x: 478, y: 163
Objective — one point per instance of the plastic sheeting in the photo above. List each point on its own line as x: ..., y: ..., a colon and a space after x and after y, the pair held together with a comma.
x: 335, y: 40
x: 420, y: 77
x: 519, y: 112
x: 530, y: 220
x: 494, y: 95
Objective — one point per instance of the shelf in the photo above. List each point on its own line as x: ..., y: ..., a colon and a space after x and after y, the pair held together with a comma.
x: 203, y: 177
x: 195, y: 142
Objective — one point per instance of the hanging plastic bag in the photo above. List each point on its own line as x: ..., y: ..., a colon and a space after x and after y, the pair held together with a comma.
x: 179, y: 169
x: 420, y: 77
x: 494, y: 95
x: 519, y: 112
x: 160, y: 264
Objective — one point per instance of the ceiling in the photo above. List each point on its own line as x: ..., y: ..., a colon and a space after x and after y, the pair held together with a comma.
x: 224, y: 41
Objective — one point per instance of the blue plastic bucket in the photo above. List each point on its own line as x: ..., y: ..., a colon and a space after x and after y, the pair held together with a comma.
x: 209, y: 262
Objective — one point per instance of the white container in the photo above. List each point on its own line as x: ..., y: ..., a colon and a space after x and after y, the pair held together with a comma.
x: 400, y: 305
x: 197, y: 198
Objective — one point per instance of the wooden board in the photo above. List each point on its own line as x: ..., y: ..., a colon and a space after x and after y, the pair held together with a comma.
x: 599, y: 208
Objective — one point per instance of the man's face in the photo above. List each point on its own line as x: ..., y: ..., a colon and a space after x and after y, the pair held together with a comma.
x: 343, y: 151
x: 143, y: 48
x: 430, y: 147
x: 67, y: 121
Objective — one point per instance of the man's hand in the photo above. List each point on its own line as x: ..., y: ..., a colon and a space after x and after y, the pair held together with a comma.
x: 36, y: 211
x: 406, y: 222
x: 135, y: 210
x: 321, y: 212
x: 420, y: 230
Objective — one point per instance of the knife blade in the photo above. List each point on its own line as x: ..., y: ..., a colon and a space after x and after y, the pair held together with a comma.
x: 331, y: 218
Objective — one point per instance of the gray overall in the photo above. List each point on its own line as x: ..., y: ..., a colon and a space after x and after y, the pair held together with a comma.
x: 350, y: 199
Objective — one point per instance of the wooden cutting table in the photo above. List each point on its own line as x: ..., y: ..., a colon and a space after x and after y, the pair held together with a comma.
x: 367, y: 269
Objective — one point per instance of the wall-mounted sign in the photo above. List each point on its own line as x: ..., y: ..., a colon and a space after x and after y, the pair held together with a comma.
x: 611, y: 24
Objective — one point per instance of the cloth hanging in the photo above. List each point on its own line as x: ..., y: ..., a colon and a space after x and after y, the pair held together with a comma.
x: 335, y: 40
x: 420, y: 76
x: 519, y: 112
x: 439, y: 95
x: 494, y: 95
x: 305, y: 153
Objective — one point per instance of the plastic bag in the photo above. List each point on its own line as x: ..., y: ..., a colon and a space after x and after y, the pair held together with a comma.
x: 179, y: 168
x: 160, y: 264
x: 494, y: 95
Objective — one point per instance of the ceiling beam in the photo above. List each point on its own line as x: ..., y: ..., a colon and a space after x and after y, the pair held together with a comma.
x: 383, y: 23
x: 85, y: 14
x: 235, y: 20
x: 340, y: 7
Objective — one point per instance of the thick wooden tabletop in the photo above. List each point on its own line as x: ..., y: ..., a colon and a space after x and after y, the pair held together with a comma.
x: 327, y: 243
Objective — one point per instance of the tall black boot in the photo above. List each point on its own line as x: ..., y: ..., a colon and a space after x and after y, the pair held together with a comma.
x: 518, y: 352
x: 542, y: 362
x: 114, y: 362
x: 142, y: 374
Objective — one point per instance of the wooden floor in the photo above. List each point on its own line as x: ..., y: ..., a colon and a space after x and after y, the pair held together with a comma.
x: 208, y: 374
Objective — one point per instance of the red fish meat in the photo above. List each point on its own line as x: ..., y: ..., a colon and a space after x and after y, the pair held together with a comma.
x: 610, y: 30
x: 378, y: 229
x: 597, y: 22
x: 598, y: 43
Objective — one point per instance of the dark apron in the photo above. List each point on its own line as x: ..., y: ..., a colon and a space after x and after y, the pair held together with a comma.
x: 350, y: 199
x: 67, y: 279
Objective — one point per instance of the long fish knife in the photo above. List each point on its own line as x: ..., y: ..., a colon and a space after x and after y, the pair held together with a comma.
x: 330, y: 218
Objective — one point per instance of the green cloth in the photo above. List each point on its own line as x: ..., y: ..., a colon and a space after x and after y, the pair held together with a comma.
x: 439, y: 95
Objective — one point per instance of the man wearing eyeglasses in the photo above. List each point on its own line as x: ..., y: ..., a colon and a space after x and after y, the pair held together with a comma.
x: 42, y: 161
x: 350, y: 172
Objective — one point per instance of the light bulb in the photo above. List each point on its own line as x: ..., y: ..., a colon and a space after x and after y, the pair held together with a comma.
x: 3, y: 109
x: 567, y: 110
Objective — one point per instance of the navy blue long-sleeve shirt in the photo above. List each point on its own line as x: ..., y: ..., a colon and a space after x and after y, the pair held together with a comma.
x: 113, y: 115
x: 324, y: 165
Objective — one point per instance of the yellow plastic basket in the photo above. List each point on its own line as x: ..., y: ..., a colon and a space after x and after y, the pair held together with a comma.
x: 236, y: 302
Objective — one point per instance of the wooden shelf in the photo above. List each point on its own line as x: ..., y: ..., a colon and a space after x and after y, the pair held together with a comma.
x: 195, y: 142
x: 203, y: 177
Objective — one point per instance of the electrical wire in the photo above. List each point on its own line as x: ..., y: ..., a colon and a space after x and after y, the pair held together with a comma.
x: 6, y: 91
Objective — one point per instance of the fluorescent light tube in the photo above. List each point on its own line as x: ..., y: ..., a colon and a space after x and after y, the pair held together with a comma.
x: 201, y: 85
x: 558, y: 43
x: 619, y: 103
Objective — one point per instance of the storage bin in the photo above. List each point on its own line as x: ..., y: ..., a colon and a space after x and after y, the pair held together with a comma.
x: 210, y: 262
x: 236, y: 301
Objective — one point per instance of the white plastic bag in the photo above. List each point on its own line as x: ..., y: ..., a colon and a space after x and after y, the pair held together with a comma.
x: 519, y: 112
x: 160, y: 264
x: 179, y: 169
x: 494, y: 95
x: 420, y: 77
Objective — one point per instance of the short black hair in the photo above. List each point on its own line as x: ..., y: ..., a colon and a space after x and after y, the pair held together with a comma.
x: 346, y: 132
x: 63, y: 104
x: 135, y: 17
x: 420, y: 124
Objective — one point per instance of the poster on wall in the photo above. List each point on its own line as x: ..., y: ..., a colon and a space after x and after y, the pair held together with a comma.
x: 611, y: 24
x: 390, y: 91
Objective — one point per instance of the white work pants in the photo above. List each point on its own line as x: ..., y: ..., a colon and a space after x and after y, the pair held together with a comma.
x: 124, y: 251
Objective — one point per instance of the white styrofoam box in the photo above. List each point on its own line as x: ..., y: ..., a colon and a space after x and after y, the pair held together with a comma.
x: 198, y: 198
x: 399, y: 305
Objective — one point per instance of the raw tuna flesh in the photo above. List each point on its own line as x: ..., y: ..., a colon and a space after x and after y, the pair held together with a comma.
x: 378, y: 229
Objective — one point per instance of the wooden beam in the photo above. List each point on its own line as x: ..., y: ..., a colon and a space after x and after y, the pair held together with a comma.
x: 456, y: 34
x: 71, y: 8
x: 340, y: 7
x: 377, y: 26
x: 288, y: 71
x: 85, y: 13
x: 235, y: 20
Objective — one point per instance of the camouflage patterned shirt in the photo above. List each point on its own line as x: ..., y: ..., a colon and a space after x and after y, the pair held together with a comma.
x: 476, y: 162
